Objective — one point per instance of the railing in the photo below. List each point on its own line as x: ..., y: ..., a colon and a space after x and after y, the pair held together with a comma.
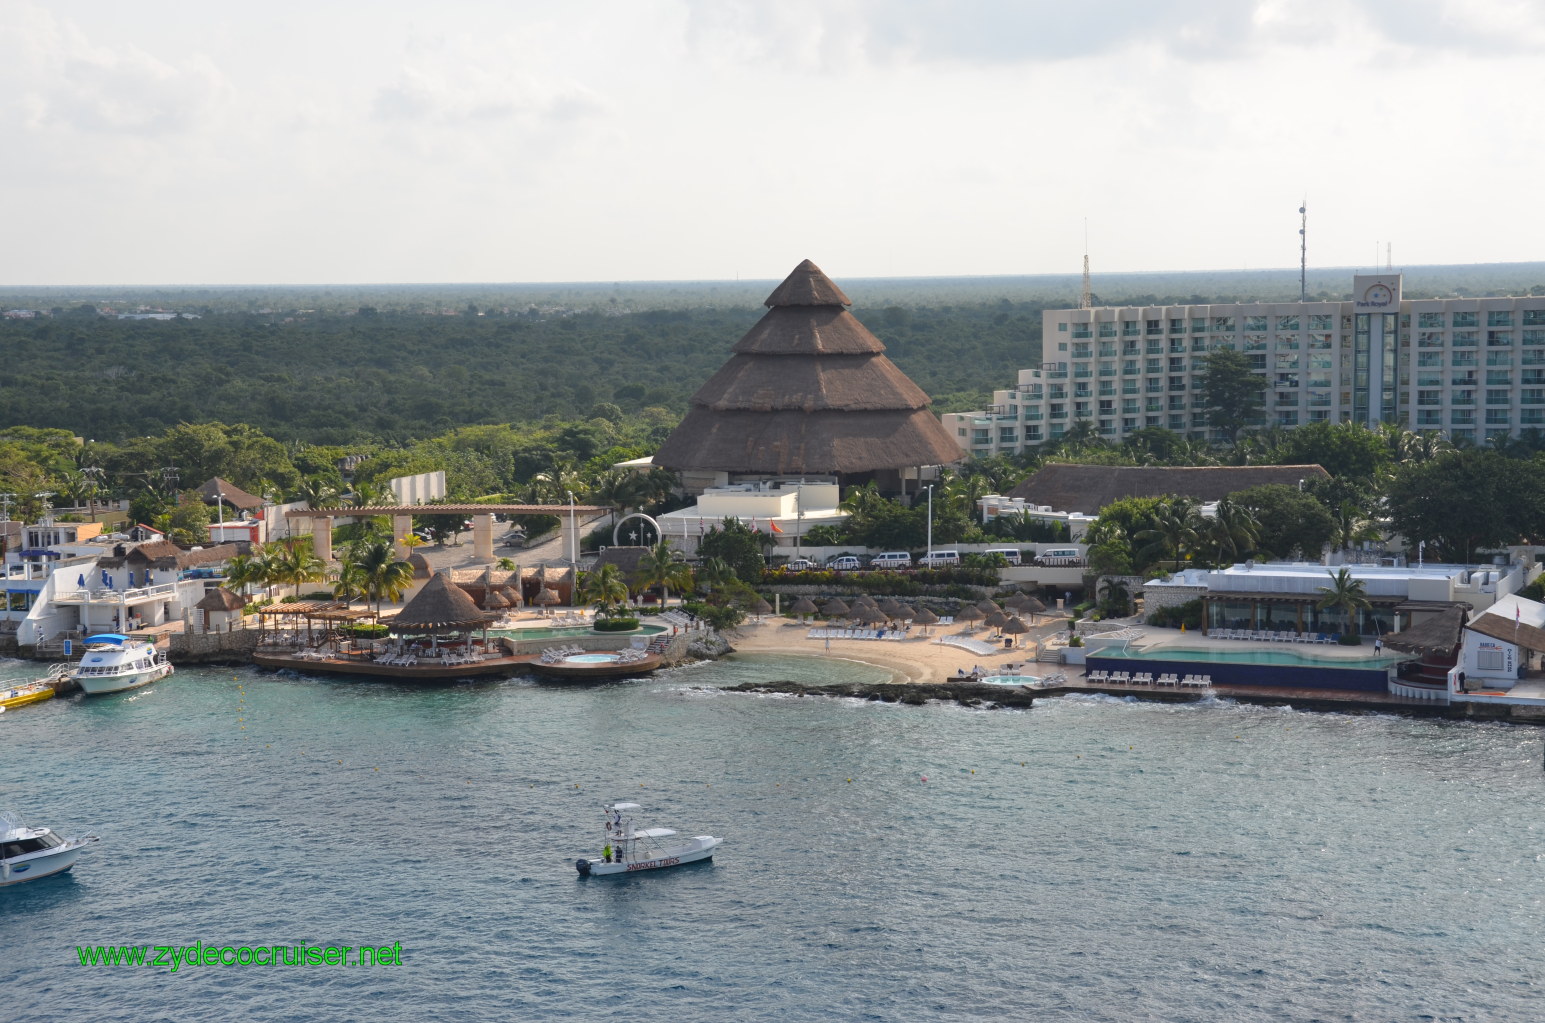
x: 105, y: 596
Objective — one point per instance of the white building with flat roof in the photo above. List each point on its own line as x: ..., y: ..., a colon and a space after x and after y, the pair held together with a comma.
x: 1471, y: 368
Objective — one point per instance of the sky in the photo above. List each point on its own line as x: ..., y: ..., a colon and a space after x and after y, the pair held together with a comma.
x: 341, y: 141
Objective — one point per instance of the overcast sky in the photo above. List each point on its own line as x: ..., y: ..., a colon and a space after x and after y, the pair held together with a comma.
x: 345, y: 141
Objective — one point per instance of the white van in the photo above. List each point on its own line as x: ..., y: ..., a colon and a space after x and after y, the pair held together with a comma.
x: 938, y: 559
x: 891, y: 559
x: 1010, y: 554
x: 1055, y: 556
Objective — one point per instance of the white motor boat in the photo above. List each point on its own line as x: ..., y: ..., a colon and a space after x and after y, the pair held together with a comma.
x: 630, y: 848
x: 27, y: 854
x: 113, y: 663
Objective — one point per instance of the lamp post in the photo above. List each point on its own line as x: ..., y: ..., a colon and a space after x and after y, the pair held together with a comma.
x: 573, y: 534
x: 930, y: 521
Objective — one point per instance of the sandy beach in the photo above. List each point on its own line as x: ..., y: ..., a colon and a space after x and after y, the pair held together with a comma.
x: 914, y: 659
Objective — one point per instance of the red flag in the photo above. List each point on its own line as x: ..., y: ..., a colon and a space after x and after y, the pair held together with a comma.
x: 774, y: 526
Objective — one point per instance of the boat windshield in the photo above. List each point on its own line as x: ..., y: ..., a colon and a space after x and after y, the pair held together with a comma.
x: 653, y: 833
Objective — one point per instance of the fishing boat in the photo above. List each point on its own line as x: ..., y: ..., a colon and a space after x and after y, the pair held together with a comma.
x: 27, y: 854
x: 113, y: 663
x: 630, y: 848
x: 17, y: 693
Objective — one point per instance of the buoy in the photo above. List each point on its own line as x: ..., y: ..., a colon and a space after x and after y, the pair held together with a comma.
x: 378, y: 769
x: 973, y: 770
x: 925, y: 777
x: 850, y: 781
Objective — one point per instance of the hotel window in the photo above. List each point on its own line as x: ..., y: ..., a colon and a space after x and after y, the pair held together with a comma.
x: 1198, y: 324
x: 1177, y: 422
x: 1287, y: 323
x: 1107, y: 330
x: 1131, y: 328
x: 1154, y: 347
x: 1532, y: 377
x: 1287, y: 344
x: 1499, y: 378
x: 1177, y: 326
x: 1320, y: 321
x: 1287, y: 417
x: 1319, y: 415
x: 1287, y: 360
x: 1080, y: 349
x: 1429, y: 378
x: 1467, y: 319
x: 1082, y: 330
x: 1496, y: 417
x: 1463, y: 359
x: 1177, y: 383
x: 1255, y: 323
x: 1107, y: 349
x: 1466, y: 338
x: 1177, y: 365
x: 1534, y: 317
x: 1129, y: 387
x: 1129, y: 407
x: 1223, y: 324
x: 1107, y: 387
x: 1059, y: 412
x: 1177, y: 345
x: 1429, y: 339
x: 1129, y: 368
x: 1429, y: 358
x: 1429, y: 397
x: 1532, y: 396
x: 1129, y: 424
x: 1429, y: 321
x: 1499, y: 358
x: 1153, y: 405
x: 1499, y: 318
x: 1177, y: 403
x: 1498, y: 397
x: 1081, y: 390
x: 1257, y: 362
x: 1499, y: 338
x: 1062, y: 327
x: 1198, y: 344
x: 1032, y: 434
x: 1462, y: 398
x: 1107, y: 408
x: 1319, y: 342
x: 1006, y: 435
x: 1461, y: 417
x: 1429, y: 418
x: 1154, y: 385
x: 1080, y: 410
x: 1255, y: 343
x: 1155, y: 326
x: 1533, y: 337
x: 1154, y: 366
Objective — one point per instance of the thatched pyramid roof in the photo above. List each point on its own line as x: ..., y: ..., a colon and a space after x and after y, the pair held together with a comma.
x: 808, y: 390
x: 221, y: 599
x: 440, y: 606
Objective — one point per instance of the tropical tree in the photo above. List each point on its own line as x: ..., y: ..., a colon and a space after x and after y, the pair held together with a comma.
x: 659, y: 567
x: 1233, y: 531
x: 1172, y: 532
x: 738, y: 546
x: 604, y: 589
x: 371, y: 569
x: 1344, y: 594
x: 242, y: 571
x: 291, y: 562
x: 1231, y: 391
x: 318, y: 492
x: 714, y: 574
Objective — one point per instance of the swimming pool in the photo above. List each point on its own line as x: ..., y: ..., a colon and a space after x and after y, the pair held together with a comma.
x: 591, y: 659
x: 1281, y: 658
x: 569, y: 632
x: 1010, y: 680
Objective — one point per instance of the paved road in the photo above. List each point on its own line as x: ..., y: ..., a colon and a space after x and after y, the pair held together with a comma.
x: 550, y: 550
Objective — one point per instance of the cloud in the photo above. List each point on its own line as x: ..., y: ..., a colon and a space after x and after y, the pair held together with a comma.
x: 56, y: 79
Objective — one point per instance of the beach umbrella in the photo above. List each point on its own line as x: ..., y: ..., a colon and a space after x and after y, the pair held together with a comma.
x: 869, y: 615
x: 803, y: 606
x: 987, y: 607
x: 493, y: 600
x: 923, y: 616
x: 864, y: 599
x: 905, y: 613
x: 889, y: 607
x: 835, y: 608
x: 996, y: 620
x: 548, y: 597
x: 511, y: 596
x: 80, y: 580
x: 969, y: 614
x: 761, y: 607
x: 1015, y: 627
x: 1033, y: 606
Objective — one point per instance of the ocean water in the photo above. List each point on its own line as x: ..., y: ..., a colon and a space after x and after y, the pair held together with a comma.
x: 1090, y: 859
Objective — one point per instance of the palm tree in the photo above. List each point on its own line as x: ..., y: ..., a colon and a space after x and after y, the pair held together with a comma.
x: 714, y: 574
x: 244, y: 570
x: 318, y: 492
x: 553, y: 485
x: 1344, y: 594
x: 1234, y: 530
x: 371, y: 568
x: 604, y: 588
x: 659, y: 567
x: 291, y: 563
x: 1172, y: 531
x: 1352, y: 526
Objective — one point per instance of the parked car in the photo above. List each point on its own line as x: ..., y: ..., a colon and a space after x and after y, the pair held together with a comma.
x: 939, y: 559
x: 1060, y: 556
x: 892, y: 560
x: 1010, y: 554
x: 846, y: 563
x: 800, y: 565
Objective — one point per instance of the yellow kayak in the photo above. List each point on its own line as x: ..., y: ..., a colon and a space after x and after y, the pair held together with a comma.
x: 19, y: 694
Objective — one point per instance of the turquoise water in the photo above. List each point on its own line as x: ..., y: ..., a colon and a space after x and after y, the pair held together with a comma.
x: 576, y: 630
x: 1283, y: 657
x: 1091, y: 859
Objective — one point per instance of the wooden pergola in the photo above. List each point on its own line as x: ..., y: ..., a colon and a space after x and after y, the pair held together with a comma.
x: 277, y: 618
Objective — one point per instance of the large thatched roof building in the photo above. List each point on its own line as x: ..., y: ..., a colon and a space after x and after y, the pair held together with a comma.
x: 809, y: 392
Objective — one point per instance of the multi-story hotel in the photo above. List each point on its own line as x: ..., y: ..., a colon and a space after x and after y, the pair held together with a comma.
x: 1471, y: 368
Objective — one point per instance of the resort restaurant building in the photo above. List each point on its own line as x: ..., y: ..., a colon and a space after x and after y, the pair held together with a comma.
x: 1284, y: 596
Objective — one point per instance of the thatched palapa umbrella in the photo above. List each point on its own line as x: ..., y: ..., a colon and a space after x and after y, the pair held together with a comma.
x: 1015, y: 627
x: 760, y: 607
x: 864, y: 599
x: 869, y: 616
x: 925, y: 618
x: 803, y: 606
x: 996, y: 620
x: 548, y: 597
x: 440, y: 607
x: 835, y: 608
x: 969, y: 614
x: 889, y: 607
x: 986, y: 606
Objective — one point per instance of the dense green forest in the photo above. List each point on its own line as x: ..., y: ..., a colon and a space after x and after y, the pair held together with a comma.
x: 389, y: 365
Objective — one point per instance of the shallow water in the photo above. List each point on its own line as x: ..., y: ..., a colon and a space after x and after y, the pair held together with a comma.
x: 1091, y: 859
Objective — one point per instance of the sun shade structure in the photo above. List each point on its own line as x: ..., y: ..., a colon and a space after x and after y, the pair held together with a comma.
x: 804, y: 606
x: 808, y: 390
x: 834, y: 608
x: 441, y: 606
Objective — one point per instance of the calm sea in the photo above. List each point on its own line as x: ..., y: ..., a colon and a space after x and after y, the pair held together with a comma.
x: 1091, y: 859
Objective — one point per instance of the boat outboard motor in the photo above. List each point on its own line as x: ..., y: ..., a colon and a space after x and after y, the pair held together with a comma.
x: 583, y: 866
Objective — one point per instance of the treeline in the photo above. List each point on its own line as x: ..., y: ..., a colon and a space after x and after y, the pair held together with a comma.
x: 391, y: 378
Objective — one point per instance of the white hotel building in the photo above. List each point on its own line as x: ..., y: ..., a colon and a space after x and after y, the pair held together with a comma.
x: 1471, y: 368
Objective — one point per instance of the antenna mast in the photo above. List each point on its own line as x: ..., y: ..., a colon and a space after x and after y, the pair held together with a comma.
x: 1086, y: 297
x: 1303, y: 251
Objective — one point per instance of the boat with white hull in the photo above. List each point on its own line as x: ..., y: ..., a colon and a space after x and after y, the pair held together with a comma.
x: 629, y: 848
x: 113, y: 663
x: 27, y: 854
